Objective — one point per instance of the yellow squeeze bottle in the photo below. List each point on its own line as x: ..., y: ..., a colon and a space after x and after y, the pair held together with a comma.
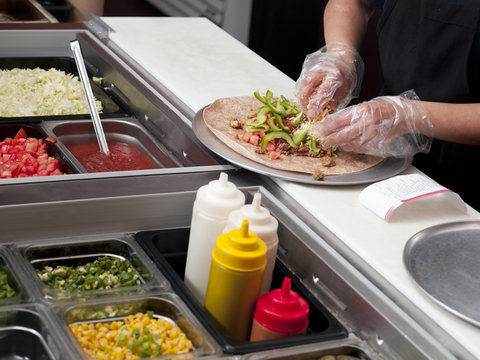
x: 235, y: 280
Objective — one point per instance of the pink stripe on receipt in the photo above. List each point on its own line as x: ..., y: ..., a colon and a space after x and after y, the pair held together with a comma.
x: 428, y: 194
x: 390, y: 212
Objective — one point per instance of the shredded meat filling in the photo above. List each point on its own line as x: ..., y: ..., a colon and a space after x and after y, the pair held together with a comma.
x: 328, y: 161
x: 318, y: 174
x: 302, y: 150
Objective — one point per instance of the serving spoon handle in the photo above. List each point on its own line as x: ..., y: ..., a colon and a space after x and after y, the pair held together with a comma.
x: 82, y: 72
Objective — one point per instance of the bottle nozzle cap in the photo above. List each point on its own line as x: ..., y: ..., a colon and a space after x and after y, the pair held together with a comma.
x: 282, y: 310
x: 240, y: 250
x: 219, y: 197
x: 257, y: 199
x: 223, y: 179
x: 286, y: 286
x: 244, y: 228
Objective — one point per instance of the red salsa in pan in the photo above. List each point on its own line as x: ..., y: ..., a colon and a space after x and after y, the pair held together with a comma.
x: 122, y: 157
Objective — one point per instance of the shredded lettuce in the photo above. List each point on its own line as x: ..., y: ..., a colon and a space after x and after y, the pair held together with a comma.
x: 37, y: 92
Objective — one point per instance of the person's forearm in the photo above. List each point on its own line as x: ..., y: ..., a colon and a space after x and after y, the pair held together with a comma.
x: 346, y: 21
x: 455, y: 122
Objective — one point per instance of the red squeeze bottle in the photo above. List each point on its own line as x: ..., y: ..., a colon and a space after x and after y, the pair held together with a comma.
x: 279, y: 313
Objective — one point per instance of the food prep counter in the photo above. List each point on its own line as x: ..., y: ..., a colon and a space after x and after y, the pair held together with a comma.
x: 148, y: 227
x: 163, y: 71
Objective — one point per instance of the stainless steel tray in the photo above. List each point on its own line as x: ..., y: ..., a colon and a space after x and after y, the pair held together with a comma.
x: 444, y: 260
x: 165, y: 305
x: 72, y: 252
x: 388, y: 168
x: 124, y: 130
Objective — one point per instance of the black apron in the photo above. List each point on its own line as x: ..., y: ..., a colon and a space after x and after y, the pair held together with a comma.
x: 426, y: 45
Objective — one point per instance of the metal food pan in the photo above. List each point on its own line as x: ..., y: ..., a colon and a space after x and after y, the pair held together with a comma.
x: 110, y: 106
x: 21, y: 11
x: 161, y: 305
x: 27, y: 334
x: 34, y: 130
x: 168, y: 249
x: 121, y: 130
x: 349, y: 349
x: 72, y: 253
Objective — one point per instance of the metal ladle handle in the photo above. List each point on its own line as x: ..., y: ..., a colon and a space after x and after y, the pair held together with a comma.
x: 82, y: 72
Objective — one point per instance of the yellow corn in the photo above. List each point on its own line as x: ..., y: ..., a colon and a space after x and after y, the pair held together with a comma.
x: 137, y: 336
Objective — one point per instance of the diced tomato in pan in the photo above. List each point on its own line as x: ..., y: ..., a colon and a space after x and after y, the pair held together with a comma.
x: 31, y: 145
x: 26, y: 156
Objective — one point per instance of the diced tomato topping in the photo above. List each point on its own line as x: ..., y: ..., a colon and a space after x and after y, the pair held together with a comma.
x: 254, y: 140
x: 25, y: 156
x: 31, y: 145
x: 246, y: 136
x: 270, y: 146
x: 274, y: 155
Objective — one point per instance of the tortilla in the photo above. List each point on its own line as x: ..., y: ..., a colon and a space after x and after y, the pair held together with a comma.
x: 221, y: 112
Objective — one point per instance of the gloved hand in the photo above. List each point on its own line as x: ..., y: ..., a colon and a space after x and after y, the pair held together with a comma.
x: 333, y: 72
x: 385, y: 126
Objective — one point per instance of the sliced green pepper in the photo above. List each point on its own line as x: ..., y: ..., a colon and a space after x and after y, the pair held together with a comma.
x: 277, y: 107
x: 280, y: 122
x: 290, y: 109
x: 313, y: 145
x: 282, y: 107
x: 254, y: 128
x: 260, y: 123
x: 300, y: 134
x: 260, y: 97
x: 104, y: 272
x: 273, y: 126
x: 298, y: 119
x: 262, y: 116
x: 277, y: 135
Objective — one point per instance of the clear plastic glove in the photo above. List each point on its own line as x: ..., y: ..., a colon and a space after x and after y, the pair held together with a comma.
x: 385, y: 126
x: 333, y: 72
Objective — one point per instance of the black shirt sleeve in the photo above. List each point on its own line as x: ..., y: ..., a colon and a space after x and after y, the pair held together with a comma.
x: 378, y: 3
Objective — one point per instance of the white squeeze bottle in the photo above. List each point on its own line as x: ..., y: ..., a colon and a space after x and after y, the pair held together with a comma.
x: 265, y: 226
x: 213, y: 203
